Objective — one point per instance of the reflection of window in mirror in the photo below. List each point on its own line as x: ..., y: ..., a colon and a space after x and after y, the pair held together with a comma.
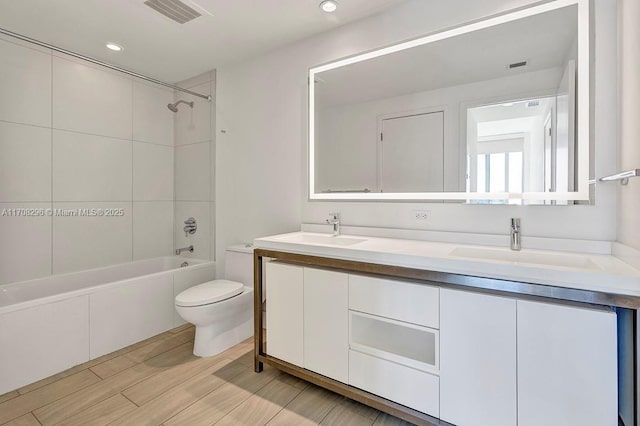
x: 520, y: 146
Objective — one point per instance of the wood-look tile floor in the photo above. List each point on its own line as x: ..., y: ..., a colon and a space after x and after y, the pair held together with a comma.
x: 160, y: 382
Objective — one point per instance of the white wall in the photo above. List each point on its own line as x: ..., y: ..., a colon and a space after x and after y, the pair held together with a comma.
x: 261, y: 159
x: 629, y: 50
x: 194, y: 165
x: 74, y: 135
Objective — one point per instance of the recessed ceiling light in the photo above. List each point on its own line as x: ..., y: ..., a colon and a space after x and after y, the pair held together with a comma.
x: 329, y: 6
x: 114, y: 47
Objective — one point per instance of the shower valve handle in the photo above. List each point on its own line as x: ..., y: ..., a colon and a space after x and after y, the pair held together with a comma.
x: 190, y: 227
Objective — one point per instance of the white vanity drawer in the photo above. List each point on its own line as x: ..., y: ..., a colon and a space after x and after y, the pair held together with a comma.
x: 404, y: 385
x: 400, y: 342
x: 399, y: 300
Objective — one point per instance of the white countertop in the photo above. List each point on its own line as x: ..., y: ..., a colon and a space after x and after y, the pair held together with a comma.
x: 592, y: 272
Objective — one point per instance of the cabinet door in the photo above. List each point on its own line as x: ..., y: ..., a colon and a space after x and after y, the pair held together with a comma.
x: 284, y: 289
x: 567, y: 365
x: 477, y: 359
x: 326, y: 323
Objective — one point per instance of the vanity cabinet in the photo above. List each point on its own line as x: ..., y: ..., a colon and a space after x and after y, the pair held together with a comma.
x: 478, y: 359
x: 506, y: 361
x: 425, y: 351
x: 567, y: 365
x: 307, y: 318
x: 394, y: 341
x: 326, y: 323
x: 284, y: 289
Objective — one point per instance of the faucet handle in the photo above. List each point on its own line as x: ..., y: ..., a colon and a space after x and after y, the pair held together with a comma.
x: 515, y: 223
x: 334, y: 216
x: 190, y: 226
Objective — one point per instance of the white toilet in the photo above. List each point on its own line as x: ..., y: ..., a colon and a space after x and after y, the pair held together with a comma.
x: 221, y: 310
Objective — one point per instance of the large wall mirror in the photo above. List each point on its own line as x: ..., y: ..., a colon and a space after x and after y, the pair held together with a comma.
x: 495, y: 111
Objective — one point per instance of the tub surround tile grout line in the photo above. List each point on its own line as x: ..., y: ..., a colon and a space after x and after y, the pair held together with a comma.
x: 133, y: 96
x: 192, y: 143
x: 79, y: 132
x: 26, y: 124
x: 152, y: 143
x: 52, y: 167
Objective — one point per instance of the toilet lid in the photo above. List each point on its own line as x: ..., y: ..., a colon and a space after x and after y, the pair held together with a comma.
x: 209, y: 292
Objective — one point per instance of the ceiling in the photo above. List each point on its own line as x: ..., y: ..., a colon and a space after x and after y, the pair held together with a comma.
x: 159, y: 47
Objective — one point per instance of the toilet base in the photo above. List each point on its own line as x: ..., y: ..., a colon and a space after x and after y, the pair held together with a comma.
x: 209, y: 341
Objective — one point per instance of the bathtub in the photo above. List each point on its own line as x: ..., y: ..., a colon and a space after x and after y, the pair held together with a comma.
x: 48, y: 325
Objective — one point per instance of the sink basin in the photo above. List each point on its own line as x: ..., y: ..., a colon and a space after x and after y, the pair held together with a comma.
x: 323, y: 239
x: 531, y: 257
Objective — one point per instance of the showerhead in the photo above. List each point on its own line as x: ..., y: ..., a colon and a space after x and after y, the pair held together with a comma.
x: 174, y: 106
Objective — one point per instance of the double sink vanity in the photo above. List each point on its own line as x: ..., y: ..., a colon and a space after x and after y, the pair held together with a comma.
x: 441, y: 333
x: 444, y: 333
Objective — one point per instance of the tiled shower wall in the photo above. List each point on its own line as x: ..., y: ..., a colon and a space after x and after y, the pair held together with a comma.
x: 195, y: 155
x: 75, y: 135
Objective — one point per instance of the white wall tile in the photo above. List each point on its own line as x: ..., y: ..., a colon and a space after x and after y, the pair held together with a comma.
x: 193, y: 172
x: 197, y: 80
x: 152, y: 229
x: 193, y: 125
x: 152, y: 172
x: 43, y: 340
x: 90, y: 168
x: 25, y: 85
x: 86, y: 99
x: 25, y: 163
x: 25, y: 246
x: 152, y: 120
x: 89, y: 242
x: 201, y: 239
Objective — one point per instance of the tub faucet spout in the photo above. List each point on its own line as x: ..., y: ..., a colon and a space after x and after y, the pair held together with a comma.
x: 180, y: 250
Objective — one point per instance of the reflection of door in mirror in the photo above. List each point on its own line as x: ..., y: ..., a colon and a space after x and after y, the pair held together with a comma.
x: 411, y: 153
x: 565, y: 133
x: 549, y: 157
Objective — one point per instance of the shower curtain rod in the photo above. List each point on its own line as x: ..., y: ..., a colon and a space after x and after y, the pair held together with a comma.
x: 103, y: 64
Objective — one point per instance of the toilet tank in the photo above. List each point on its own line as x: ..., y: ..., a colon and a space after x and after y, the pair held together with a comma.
x: 238, y: 264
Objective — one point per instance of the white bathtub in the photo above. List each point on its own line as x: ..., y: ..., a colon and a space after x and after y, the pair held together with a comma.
x: 50, y: 324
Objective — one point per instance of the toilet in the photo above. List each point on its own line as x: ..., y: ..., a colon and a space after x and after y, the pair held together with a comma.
x: 221, y: 310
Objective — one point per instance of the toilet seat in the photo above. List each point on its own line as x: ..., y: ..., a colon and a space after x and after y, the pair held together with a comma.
x: 209, y: 292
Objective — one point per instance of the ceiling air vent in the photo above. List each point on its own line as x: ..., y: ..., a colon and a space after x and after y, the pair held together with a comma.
x: 517, y: 65
x: 173, y: 9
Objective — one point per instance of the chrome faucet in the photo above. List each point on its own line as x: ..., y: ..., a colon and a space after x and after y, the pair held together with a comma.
x: 180, y: 250
x: 516, y: 240
x: 334, y: 220
x: 190, y: 227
